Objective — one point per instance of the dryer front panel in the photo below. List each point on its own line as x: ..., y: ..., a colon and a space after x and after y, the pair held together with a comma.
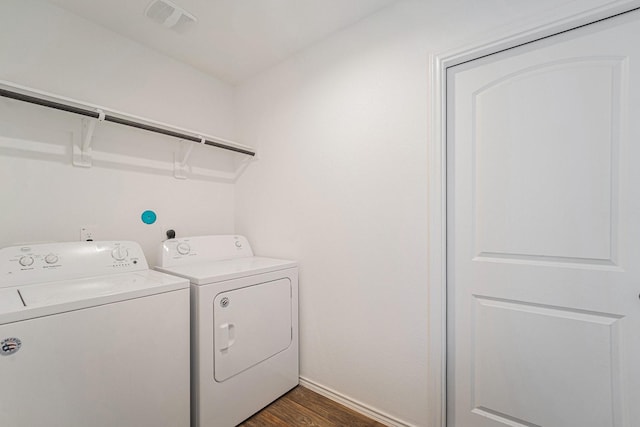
x: 251, y: 324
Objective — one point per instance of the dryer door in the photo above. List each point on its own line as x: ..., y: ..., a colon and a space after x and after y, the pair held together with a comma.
x: 250, y: 325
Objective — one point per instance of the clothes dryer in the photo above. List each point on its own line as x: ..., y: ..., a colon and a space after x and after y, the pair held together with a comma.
x: 244, y: 326
x: 89, y: 336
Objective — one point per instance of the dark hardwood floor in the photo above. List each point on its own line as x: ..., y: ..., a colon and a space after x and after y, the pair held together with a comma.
x: 303, y: 407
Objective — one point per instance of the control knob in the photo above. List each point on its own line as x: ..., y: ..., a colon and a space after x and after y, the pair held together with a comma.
x: 183, y: 248
x: 119, y: 253
x: 51, y: 259
x: 26, y: 260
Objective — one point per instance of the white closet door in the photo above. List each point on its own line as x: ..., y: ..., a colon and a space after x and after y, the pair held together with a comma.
x: 544, y: 232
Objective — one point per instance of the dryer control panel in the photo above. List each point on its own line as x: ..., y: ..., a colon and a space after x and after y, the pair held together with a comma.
x: 20, y: 265
x: 187, y: 250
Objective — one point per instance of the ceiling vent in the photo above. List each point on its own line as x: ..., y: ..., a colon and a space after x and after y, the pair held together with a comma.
x: 170, y: 15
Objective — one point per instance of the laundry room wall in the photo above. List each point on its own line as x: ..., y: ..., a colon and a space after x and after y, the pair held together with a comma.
x: 44, y: 197
x: 341, y: 185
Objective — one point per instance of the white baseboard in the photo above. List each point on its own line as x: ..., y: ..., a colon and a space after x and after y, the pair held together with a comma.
x: 350, y: 403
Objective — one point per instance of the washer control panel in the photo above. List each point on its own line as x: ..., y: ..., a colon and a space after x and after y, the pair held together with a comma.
x: 203, y: 248
x: 73, y: 260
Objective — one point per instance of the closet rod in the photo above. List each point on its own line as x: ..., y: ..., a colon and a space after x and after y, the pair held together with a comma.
x: 89, y: 113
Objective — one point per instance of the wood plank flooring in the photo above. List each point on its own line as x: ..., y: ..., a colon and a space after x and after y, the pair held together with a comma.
x: 303, y: 407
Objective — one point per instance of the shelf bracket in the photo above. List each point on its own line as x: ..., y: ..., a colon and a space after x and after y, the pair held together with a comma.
x: 180, y: 166
x: 82, y: 153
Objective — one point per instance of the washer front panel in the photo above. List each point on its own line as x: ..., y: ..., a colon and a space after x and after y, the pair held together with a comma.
x: 123, y: 364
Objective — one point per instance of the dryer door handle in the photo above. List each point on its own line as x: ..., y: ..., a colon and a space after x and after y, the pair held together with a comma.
x: 227, y: 336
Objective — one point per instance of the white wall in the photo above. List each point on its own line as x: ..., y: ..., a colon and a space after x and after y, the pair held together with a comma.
x: 342, y: 186
x: 43, y: 196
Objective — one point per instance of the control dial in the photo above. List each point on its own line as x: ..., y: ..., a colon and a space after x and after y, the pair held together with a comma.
x: 183, y: 248
x: 51, y: 259
x: 120, y: 253
x: 26, y: 260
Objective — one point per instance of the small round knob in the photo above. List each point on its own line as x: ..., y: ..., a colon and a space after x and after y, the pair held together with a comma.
x: 183, y: 248
x: 51, y: 259
x: 26, y: 261
x: 119, y: 253
x: 238, y: 244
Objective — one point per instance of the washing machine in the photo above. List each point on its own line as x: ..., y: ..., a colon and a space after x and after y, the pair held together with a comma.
x: 90, y: 336
x: 244, y: 326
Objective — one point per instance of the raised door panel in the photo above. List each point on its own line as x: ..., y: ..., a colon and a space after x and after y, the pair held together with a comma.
x: 545, y: 140
x: 520, y: 376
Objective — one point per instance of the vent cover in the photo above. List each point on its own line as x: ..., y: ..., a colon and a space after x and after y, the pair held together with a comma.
x: 170, y: 15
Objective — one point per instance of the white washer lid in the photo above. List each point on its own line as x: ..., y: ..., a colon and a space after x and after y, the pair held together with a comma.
x: 67, y: 295
x: 217, y: 271
x: 10, y: 301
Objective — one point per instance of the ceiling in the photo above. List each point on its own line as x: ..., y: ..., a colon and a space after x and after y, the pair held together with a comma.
x: 232, y: 39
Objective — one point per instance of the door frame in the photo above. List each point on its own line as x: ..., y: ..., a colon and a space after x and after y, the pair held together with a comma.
x: 437, y: 182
